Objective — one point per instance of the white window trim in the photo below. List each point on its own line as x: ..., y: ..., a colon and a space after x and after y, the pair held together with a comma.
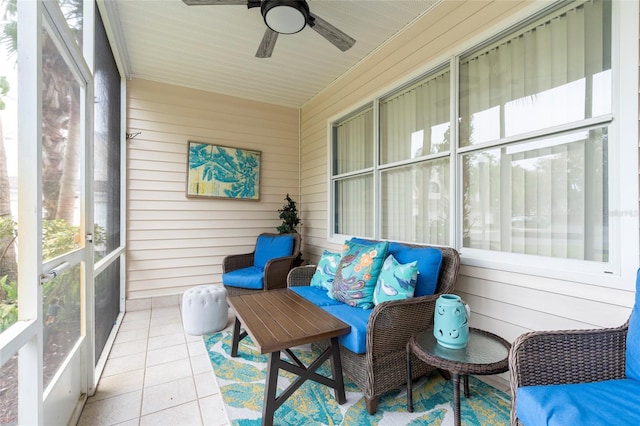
x: 624, y: 249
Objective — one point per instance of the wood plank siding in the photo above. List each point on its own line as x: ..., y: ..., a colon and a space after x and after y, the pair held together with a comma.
x: 174, y: 242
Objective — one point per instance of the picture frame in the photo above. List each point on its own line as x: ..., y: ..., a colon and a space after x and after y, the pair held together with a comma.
x: 217, y: 171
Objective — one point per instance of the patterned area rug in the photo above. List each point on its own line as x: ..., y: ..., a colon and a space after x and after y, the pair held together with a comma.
x: 241, y: 382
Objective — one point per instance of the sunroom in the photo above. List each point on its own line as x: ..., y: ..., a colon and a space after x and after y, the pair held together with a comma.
x: 507, y: 130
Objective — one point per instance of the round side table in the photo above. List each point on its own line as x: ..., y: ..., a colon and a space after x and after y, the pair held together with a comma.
x: 485, y: 354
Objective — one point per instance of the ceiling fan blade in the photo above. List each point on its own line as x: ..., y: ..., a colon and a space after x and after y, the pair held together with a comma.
x: 338, y: 38
x: 267, y: 44
x: 212, y: 2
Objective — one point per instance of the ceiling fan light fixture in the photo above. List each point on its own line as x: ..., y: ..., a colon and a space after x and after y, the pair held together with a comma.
x: 285, y: 16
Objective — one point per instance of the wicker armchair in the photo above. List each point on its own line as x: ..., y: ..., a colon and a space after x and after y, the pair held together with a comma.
x: 566, y: 356
x: 275, y: 271
x: 383, y: 366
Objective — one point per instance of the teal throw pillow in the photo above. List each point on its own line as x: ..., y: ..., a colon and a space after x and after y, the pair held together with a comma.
x: 357, y: 273
x: 396, y: 281
x: 326, y: 270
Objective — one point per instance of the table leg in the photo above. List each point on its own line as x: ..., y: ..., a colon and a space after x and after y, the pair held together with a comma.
x: 270, y: 387
x: 236, y: 338
x: 456, y: 398
x: 466, y: 386
x: 409, y: 383
x: 336, y: 371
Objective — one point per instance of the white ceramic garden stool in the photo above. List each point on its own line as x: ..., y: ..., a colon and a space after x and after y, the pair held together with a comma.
x: 204, y: 309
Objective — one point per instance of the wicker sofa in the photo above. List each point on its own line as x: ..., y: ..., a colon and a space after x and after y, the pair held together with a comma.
x: 578, y: 377
x: 383, y: 365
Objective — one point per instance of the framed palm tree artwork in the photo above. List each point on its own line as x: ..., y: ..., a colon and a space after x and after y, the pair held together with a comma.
x: 222, y: 172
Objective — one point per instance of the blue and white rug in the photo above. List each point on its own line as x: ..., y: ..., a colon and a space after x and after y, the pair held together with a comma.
x: 241, y: 382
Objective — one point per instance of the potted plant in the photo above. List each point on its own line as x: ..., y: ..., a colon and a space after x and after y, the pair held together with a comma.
x: 290, y: 221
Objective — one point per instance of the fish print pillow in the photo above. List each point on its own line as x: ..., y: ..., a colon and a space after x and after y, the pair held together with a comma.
x: 357, y: 273
x: 396, y: 281
x: 326, y: 270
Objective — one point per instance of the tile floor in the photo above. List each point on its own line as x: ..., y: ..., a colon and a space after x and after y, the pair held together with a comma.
x: 156, y: 375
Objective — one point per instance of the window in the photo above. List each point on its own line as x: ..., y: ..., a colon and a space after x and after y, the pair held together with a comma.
x: 353, y: 174
x: 539, y: 100
x: 414, y: 160
x: 528, y: 156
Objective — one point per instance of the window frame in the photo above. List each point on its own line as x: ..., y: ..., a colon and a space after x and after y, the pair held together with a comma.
x: 622, y: 199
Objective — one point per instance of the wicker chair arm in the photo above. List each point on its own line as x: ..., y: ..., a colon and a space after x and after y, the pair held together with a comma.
x: 568, y: 356
x: 300, y: 276
x: 237, y: 261
x: 275, y: 272
x: 392, y: 323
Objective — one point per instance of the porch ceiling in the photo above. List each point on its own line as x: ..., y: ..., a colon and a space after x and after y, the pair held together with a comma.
x: 212, y: 48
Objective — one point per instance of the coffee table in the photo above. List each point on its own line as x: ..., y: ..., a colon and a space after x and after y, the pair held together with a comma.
x: 486, y: 353
x: 278, y: 320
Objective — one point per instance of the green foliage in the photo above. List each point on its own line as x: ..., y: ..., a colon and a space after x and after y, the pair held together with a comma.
x: 58, y: 237
x: 7, y: 227
x: 8, y: 235
x: 4, y: 89
x: 289, y: 216
x: 8, y: 304
x: 10, y: 290
x: 99, y: 235
x: 8, y: 315
x: 9, y: 27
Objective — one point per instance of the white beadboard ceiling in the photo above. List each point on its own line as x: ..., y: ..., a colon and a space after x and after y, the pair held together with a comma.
x: 212, y: 48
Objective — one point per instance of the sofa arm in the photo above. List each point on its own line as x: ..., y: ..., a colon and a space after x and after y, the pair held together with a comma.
x: 301, y: 276
x: 237, y: 261
x: 392, y: 323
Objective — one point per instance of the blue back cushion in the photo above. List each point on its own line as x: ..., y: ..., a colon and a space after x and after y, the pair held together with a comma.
x: 633, y: 337
x: 270, y: 247
x: 429, y: 264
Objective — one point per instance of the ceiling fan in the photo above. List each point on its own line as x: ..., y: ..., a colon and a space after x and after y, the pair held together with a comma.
x: 285, y: 17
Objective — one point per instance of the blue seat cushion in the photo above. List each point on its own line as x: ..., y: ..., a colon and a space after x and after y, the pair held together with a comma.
x: 356, y: 340
x: 612, y: 402
x: 633, y: 337
x: 251, y: 278
x: 271, y: 247
x: 429, y: 264
x: 316, y: 295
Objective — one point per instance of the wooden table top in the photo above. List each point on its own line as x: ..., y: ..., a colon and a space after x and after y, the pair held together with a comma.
x: 281, y: 319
